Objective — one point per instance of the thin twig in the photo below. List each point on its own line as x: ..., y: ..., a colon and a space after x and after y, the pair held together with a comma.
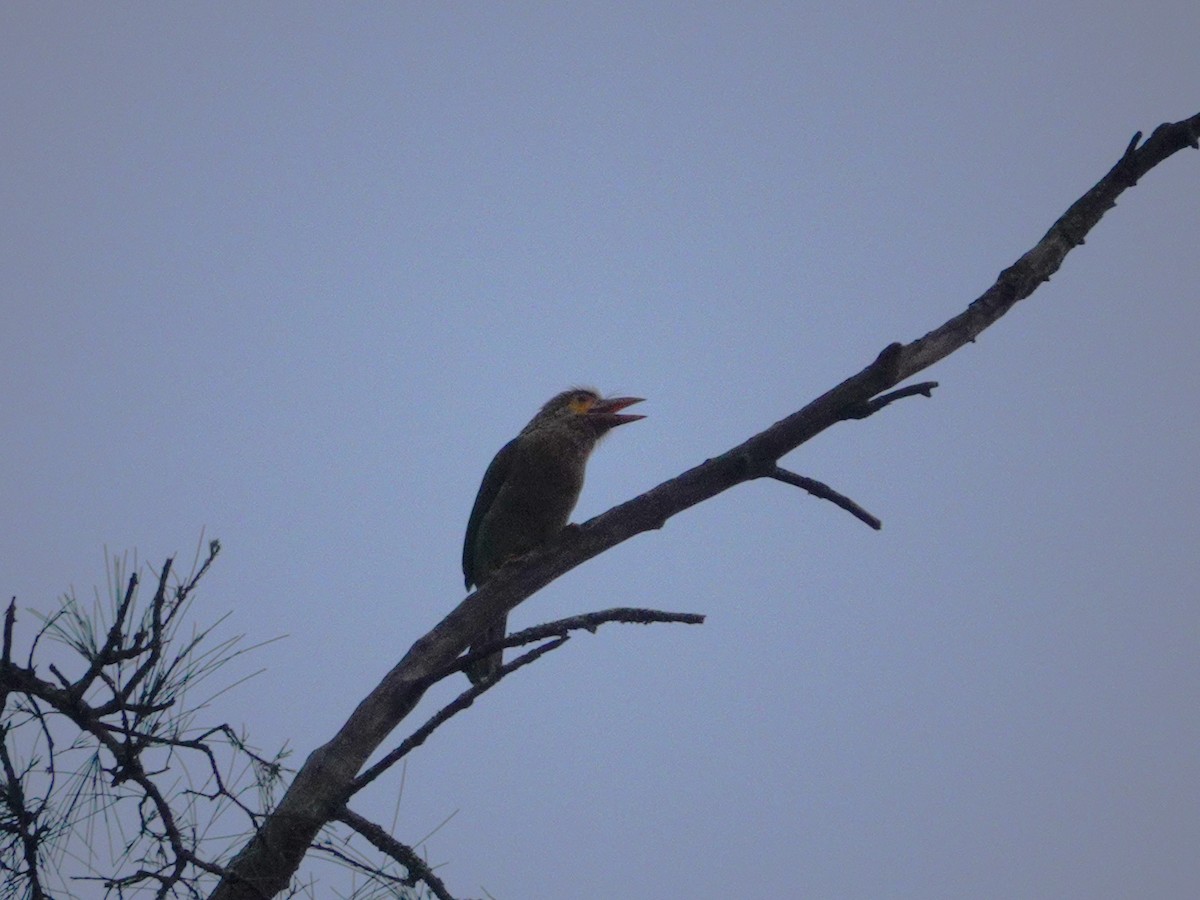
x: 418, y: 869
x: 451, y: 709
x: 629, y: 615
x: 10, y: 618
x: 25, y: 823
x: 559, y: 631
x: 112, y: 643
x: 825, y: 492
x: 874, y: 405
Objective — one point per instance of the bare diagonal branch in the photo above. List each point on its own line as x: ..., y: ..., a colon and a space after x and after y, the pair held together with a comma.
x: 557, y: 631
x: 825, y: 492
x: 418, y: 869
x: 267, y: 862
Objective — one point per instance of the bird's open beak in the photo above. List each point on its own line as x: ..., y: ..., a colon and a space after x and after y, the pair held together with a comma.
x: 608, y: 412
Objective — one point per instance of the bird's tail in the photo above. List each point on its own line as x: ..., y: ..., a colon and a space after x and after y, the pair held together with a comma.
x: 490, y: 664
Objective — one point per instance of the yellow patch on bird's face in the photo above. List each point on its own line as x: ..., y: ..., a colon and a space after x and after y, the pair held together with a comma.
x: 581, y: 402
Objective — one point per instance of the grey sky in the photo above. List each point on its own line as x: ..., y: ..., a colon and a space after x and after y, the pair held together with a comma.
x: 293, y: 273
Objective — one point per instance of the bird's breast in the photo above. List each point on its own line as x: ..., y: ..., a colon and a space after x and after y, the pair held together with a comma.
x: 535, y: 501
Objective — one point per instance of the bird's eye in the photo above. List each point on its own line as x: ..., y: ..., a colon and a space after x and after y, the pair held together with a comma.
x: 582, y: 402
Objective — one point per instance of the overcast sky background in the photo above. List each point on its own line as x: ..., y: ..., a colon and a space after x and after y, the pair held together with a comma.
x: 291, y: 274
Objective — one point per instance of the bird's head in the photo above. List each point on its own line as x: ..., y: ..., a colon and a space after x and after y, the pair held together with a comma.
x: 585, y: 407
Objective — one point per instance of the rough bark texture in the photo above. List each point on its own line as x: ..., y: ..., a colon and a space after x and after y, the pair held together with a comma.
x: 266, y: 864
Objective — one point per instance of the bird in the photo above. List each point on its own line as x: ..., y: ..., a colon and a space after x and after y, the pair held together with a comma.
x: 529, y: 490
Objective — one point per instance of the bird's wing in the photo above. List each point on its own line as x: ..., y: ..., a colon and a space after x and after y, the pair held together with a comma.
x: 493, y: 479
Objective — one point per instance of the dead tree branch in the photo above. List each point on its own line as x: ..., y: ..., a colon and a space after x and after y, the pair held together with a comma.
x: 315, y: 796
x: 418, y: 869
x: 558, y: 631
x: 562, y: 627
x: 825, y: 492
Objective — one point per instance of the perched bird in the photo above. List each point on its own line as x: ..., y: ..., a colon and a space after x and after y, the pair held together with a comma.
x: 530, y: 488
